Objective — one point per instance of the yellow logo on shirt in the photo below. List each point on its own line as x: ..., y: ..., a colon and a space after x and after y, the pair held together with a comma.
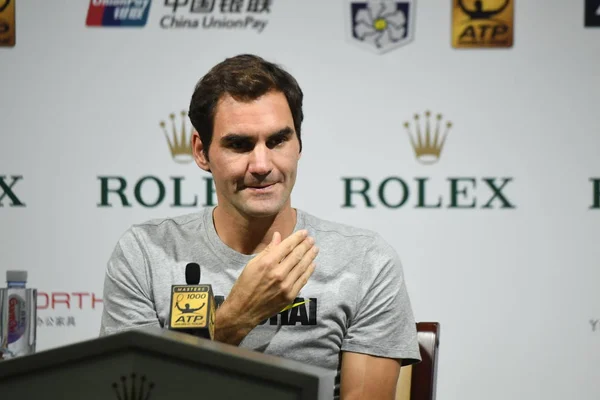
x: 295, y: 305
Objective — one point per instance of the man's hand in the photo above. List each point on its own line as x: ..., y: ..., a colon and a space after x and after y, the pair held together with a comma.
x: 273, y: 279
x: 268, y: 283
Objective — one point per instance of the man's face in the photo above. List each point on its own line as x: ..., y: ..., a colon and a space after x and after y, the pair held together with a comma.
x: 253, y: 155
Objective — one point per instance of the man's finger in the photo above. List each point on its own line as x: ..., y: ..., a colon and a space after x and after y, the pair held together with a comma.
x: 286, y: 246
x: 299, y: 268
x: 275, y: 240
x: 307, y: 247
x: 303, y: 279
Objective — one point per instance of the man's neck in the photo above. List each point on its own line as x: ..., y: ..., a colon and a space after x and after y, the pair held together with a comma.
x: 251, y: 235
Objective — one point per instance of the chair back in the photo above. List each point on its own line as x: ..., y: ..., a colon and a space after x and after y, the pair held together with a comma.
x: 418, y: 381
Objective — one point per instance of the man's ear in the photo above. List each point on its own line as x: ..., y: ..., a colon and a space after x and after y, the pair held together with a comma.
x: 198, y: 152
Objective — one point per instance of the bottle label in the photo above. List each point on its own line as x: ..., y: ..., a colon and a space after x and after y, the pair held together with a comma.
x: 17, y: 318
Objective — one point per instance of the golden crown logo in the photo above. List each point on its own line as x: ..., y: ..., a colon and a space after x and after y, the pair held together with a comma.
x: 179, y: 142
x: 133, y: 389
x: 428, y: 144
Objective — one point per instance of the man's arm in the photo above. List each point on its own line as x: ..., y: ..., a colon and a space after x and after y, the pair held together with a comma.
x: 127, y: 296
x: 381, y: 333
x: 366, y: 377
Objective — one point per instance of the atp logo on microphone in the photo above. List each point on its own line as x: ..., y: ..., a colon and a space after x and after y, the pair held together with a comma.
x: 192, y: 309
x: 189, y: 308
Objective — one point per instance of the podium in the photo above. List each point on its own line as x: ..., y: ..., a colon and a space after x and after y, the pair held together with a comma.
x: 156, y: 364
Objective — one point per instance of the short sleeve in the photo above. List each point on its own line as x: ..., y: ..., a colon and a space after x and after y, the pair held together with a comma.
x: 383, y: 323
x: 127, y: 293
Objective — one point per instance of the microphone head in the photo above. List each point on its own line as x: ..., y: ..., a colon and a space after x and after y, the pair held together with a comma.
x: 192, y: 274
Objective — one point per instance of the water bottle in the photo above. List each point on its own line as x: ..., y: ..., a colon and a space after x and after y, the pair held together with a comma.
x: 18, y: 316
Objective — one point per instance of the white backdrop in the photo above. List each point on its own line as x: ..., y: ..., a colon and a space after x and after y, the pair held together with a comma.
x: 515, y: 289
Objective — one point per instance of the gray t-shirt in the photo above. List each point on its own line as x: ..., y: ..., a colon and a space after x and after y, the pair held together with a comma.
x: 356, y: 299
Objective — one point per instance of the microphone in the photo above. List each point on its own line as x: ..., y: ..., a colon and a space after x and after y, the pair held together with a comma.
x: 193, y: 306
x: 192, y: 274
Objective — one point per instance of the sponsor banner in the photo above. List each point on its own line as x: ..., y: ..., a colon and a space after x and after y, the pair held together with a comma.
x: 427, y: 134
x: 480, y: 168
x: 152, y: 191
x: 241, y: 15
x: 64, y: 310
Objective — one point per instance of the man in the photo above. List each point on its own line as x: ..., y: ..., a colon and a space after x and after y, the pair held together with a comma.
x: 341, y: 289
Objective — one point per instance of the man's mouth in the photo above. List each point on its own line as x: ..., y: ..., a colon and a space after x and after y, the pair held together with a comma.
x: 260, y: 188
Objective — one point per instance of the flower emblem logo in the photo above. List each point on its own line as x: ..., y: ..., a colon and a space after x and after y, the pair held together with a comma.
x: 381, y: 25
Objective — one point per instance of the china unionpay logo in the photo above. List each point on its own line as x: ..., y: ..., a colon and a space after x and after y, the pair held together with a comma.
x: 380, y: 26
x: 118, y: 13
x: 212, y: 14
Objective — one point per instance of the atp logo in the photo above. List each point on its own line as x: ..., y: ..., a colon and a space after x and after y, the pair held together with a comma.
x: 482, y: 23
x: 8, y: 191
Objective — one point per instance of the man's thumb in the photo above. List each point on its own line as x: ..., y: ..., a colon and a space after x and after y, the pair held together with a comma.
x: 276, y: 239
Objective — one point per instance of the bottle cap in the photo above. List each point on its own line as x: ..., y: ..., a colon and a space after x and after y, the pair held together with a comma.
x: 16, y: 276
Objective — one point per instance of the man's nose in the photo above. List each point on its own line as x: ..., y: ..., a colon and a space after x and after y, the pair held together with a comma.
x: 260, y: 161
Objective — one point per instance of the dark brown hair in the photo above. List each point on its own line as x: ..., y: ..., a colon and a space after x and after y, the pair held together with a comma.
x: 244, y: 77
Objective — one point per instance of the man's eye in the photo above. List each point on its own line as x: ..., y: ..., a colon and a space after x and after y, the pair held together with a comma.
x: 275, y: 142
x: 241, y: 145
